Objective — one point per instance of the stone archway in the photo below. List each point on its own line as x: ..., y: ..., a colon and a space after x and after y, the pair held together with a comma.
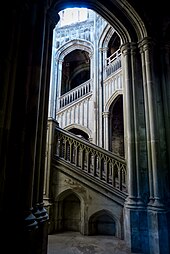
x: 68, y: 212
x: 71, y: 213
x: 116, y: 127
x: 104, y: 223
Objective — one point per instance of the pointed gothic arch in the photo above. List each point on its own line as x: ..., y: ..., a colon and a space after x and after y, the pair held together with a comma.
x: 81, y: 128
x: 71, y: 46
x: 130, y: 26
x: 57, y: 68
x: 116, y: 126
x: 104, y: 222
x: 140, y: 111
x: 69, y: 212
x: 131, y: 31
x: 25, y: 64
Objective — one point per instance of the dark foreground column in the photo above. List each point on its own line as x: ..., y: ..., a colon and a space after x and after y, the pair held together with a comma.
x: 156, y: 149
x: 23, y: 109
x: 135, y: 208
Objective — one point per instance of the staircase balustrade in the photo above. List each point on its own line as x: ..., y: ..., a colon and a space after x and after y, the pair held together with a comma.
x: 90, y: 158
x: 113, y: 63
x: 75, y: 93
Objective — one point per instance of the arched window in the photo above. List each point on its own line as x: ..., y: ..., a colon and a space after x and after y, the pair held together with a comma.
x: 75, y: 70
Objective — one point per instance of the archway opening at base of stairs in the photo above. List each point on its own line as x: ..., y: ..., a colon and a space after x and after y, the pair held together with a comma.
x: 71, y: 213
x: 102, y: 223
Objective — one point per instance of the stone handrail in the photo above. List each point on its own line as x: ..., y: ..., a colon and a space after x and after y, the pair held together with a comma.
x: 113, y: 57
x: 90, y: 158
x: 113, y: 63
x: 75, y: 93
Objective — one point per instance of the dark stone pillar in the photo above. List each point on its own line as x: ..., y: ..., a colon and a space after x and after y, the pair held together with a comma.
x: 136, y: 233
x: 40, y: 212
x: 24, y: 76
x: 165, y: 68
x: 157, y: 149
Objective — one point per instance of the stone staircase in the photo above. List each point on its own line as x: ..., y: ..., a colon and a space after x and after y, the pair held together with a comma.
x: 89, y: 162
x: 94, y: 175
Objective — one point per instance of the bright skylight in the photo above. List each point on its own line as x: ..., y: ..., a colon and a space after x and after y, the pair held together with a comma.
x: 72, y: 15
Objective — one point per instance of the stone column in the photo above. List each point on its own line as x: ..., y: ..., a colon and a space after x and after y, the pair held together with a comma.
x: 138, y: 115
x: 51, y: 19
x: 24, y: 124
x: 151, y: 107
x: 24, y: 79
x: 165, y: 63
x: 57, y: 91
x: 134, y: 121
x: 34, y: 58
x: 106, y: 130
x: 102, y: 76
x: 53, y: 80
x: 134, y: 114
x: 10, y: 49
x: 95, y: 87
x: 105, y: 49
x: 157, y: 210
x: 129, y: 123
x: 135, y: 211
x: 55, y: 86
x: 150, y: 172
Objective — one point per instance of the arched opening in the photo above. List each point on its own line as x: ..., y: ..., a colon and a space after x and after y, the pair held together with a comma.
x: 25, y: 74
x: 113, y: 45
x: 116, y: 127
x: 75, y: 70
x: 79, y: 133
x: 102, y: 223
x: 70, y: 213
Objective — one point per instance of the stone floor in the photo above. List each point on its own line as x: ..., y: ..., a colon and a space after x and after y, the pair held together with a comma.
x: 75, y: 243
